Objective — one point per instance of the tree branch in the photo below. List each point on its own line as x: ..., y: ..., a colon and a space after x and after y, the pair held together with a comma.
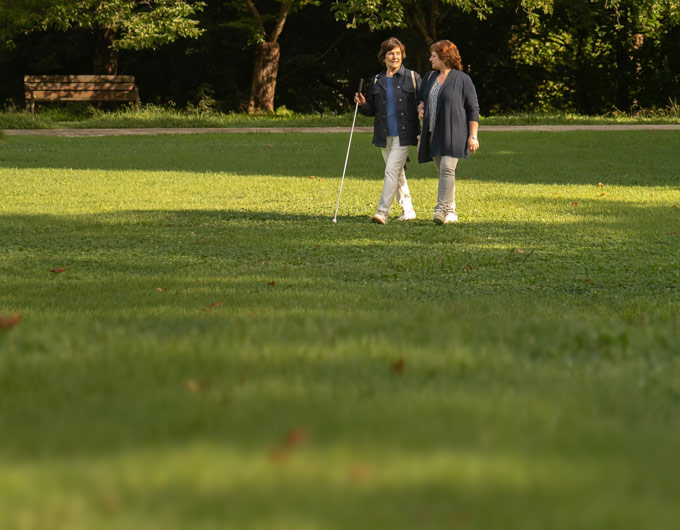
x: 311, y: 61
x: 256, y: 15
x: 415, y: 14
x: 285, y: 9
x: 434, y: 15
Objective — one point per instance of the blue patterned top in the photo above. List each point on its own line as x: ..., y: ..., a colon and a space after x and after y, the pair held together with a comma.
x: 432, y: 103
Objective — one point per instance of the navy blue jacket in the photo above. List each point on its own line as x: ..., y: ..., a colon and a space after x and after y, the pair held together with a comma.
x: 406, y: 99
x: 456, y: 108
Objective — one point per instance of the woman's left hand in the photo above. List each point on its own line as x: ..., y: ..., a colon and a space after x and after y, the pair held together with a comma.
x: 473, y: 144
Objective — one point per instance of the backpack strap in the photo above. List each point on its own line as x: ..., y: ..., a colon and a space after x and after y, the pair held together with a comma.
x: 413, y: 80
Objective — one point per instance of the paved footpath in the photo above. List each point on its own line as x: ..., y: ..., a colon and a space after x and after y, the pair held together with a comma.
x: 242, y: 130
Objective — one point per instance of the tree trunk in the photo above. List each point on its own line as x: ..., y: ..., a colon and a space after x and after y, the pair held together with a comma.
x: 106, y: 58
x: 265, y: 70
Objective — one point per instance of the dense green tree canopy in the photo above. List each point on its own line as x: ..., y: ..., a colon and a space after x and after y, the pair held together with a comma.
x: 589, y: 56
x: 120, y: 24
x: 425, y: 16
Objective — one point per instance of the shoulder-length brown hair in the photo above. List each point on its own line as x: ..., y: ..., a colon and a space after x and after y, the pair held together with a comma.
x: 448, y: 52
x: 389, y: 45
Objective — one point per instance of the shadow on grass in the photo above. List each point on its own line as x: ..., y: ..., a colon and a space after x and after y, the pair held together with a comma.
x: 615, y: 158
x: 239, y: 244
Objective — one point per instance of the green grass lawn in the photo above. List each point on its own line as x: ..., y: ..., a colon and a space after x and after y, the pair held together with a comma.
x: 216, y: 354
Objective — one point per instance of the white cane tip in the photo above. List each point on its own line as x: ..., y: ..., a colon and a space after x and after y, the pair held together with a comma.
x: 335, y: 220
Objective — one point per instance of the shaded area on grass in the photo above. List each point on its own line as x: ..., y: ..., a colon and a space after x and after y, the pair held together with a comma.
x: 615, y: 158
x: 619, y: 255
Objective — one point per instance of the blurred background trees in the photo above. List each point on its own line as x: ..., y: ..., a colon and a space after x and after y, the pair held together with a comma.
x: 586, y: 56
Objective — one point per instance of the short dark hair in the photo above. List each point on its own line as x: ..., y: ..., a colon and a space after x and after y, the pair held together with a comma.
x: 389, y: 45
x: 448, y: 52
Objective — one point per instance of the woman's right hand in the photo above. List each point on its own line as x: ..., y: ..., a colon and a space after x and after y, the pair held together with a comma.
x: 360, y: 99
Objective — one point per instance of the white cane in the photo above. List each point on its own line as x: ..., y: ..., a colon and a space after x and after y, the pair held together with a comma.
x: 349, y: 145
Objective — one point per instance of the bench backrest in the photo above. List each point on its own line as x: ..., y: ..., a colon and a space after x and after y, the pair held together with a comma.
x: 80, y: 88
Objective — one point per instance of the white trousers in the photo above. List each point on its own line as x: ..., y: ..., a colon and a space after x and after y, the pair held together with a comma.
x: 395, y: 177
x: 446, y: 194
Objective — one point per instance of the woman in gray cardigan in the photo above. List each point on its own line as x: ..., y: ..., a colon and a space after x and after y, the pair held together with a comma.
x: 450, y: 113
x: 391, y: 97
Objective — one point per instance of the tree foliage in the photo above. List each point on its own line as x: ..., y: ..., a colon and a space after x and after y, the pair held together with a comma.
x: 136, y: 24
x: 589, y: 56
x: 119, y: 24
x: 598, y: 54
x: 426, y: 16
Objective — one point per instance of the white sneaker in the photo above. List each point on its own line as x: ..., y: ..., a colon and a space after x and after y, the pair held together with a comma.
x: 379, y: 218
x: 407, y: 216
x: 440, y: 218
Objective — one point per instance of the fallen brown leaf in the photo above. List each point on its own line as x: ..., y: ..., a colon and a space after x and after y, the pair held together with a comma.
x: 8, y: 322
x: 399, y: 366
x: 273, y: 283
x: 600, y: 184
x: 358, y: 473
x: 296, y: 438
x: 58, y: 271
x: 574, y: 203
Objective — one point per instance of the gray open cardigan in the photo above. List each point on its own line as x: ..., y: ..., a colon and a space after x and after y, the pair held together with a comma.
x: 456, y: 108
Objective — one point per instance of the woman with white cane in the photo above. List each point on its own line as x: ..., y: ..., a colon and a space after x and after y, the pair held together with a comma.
x: 391, y: 97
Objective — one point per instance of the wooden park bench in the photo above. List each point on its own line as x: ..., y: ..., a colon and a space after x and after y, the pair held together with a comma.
x: 99, y: 88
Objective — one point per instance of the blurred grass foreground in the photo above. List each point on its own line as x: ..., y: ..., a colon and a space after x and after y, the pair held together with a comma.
x: 187, y: 341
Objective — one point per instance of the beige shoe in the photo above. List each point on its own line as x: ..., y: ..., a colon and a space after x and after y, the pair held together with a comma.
x: 379, y: 218
x: 438, y: 218
x: 450, y: 218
